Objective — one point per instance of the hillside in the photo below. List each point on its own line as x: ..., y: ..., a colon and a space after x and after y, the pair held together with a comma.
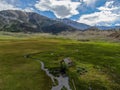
x: 80, y: 26
x: 115, y: 35
x: 19, y: 21
x: 108, y: 27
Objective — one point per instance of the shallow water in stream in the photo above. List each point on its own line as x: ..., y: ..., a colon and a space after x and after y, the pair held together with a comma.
x: 62, y: 81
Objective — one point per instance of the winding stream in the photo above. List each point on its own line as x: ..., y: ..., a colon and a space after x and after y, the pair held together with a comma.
x: 62, y: 81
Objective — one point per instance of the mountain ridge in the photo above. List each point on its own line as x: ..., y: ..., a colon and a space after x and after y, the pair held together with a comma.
x: 75, y: 24
x: 19, y: 21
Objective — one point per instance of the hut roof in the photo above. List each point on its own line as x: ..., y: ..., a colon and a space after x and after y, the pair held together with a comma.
x: 67, y: 60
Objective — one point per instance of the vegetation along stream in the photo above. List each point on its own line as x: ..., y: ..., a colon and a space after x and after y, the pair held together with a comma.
x: 63, y: 81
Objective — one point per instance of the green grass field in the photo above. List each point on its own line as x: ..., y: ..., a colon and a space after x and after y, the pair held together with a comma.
x: 100, y: 59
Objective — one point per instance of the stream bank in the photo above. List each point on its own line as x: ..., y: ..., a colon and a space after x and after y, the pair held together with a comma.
x: 63, y: 81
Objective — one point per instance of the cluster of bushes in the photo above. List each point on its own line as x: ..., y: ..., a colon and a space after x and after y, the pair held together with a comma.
x: 81, y: 70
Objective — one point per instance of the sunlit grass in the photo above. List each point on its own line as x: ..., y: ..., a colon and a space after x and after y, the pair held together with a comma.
x: 100, y: 59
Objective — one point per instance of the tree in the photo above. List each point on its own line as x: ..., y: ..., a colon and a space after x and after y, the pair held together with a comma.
x: 63, y: 67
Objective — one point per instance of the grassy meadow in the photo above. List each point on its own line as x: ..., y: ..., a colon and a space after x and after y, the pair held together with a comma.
x: 99, y: 59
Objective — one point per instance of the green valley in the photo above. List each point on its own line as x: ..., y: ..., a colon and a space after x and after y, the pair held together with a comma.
x: 96, y: 63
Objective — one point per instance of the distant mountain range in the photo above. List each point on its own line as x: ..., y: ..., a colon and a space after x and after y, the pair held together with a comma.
x: 74, y: 24
x: 82, y: 26
x: 19, y: 21
x: 108, y: 27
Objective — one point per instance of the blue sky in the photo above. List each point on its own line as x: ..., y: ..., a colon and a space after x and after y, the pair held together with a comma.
x: 91, y: 12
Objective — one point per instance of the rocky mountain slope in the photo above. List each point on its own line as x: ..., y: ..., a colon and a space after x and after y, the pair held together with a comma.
x: 80, y: 26
x: 19, y: 21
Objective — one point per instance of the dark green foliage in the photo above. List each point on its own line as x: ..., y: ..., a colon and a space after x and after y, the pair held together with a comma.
x: 63, y: 68
x: 64, y: 88
x: 55, y: 71
x: 81, y: 70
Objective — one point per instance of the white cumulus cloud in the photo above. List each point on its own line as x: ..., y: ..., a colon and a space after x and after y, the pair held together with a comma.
x: 108, y: 14
x: 61, y: 8
x: 6, y: 6
x: 90, y: 2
